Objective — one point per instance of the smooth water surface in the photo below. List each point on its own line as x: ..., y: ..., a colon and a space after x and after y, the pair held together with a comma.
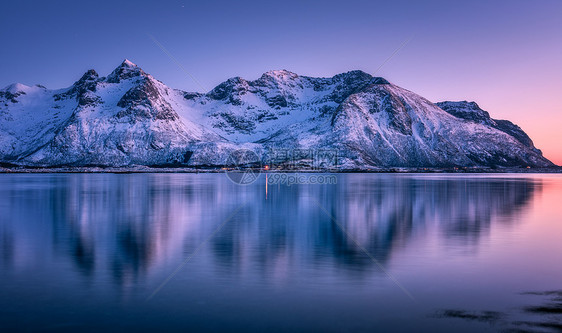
x: 196, y: 252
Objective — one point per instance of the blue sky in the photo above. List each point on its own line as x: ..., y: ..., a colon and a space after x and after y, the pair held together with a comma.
x: 505, y: 55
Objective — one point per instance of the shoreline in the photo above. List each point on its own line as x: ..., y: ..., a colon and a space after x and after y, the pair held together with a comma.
x: 142, y: 169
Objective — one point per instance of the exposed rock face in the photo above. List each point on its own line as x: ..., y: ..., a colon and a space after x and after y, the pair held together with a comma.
x: 144, y: 100
x: 129, y: 118
x: 471, y: 111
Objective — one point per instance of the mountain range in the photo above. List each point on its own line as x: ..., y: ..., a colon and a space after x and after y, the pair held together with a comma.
x: 129, y: 118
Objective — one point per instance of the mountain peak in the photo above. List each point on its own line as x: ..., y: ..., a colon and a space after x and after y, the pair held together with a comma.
x: 353, y: 75
x: 127, y: 69
x: 90, y: 75
x: 128, y: 63
x: 465, y: 110
x: 466, y: 106
x: 17, y: 88
x: 280, y: 74
x: 465, y: 103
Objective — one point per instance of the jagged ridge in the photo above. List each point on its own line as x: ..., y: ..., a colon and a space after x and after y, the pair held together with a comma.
x: 130, y: 118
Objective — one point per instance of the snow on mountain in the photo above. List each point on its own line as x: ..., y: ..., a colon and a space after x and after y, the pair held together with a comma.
x: 387, y: 125
x: 29, y: 118
x: 472, y: 112
x: 248, y: 111
x: 130, y: 118
x: 120, y: 120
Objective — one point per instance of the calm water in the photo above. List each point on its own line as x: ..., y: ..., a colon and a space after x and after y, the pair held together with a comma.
x: 195, y: 252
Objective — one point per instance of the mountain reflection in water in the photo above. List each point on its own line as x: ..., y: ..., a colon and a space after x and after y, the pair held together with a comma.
x: 128, y: 225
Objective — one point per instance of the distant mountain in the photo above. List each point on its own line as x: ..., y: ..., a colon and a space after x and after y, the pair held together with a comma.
x: 129, y: 118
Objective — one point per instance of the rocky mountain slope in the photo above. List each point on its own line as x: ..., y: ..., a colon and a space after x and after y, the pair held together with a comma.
x: 130, y: 118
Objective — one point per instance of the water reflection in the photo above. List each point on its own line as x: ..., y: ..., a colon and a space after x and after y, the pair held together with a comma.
x: 130, y: 225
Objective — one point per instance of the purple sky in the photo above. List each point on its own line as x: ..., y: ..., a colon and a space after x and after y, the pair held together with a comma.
x: 505, y: 55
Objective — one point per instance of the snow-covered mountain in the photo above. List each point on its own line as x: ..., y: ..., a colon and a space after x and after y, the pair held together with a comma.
x: 130, y: 118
